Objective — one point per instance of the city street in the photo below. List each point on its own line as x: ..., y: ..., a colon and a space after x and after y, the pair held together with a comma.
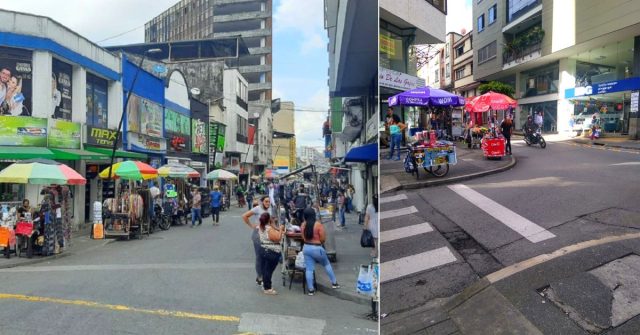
x: 439, y: 240
x: 182, y: 281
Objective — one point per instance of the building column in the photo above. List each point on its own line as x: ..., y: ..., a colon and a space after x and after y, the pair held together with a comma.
x: 42, y: 86
x: 115, y: 102
x: 517, y: 120
x: 567, y: 79
x: 634, y: 118
x: 79, y: 94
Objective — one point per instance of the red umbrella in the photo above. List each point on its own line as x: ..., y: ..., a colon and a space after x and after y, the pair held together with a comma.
x: 491, y: 101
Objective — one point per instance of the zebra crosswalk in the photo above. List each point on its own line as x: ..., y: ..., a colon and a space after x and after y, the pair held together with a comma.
x: 431, y: 257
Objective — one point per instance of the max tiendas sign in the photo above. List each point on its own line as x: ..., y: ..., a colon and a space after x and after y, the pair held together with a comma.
x: 101, y: 137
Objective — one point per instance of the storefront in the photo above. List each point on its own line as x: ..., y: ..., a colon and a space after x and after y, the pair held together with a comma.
x: 199, y: 138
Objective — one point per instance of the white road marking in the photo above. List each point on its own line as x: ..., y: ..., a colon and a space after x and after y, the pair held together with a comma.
x: 132, y: 267
x: 398, y: 212
x: 625, y: 163
x: 280, y: 324
x: 415, y: 263
x: 519, y: 224
x: 398, y: 197
x: 403, y: 232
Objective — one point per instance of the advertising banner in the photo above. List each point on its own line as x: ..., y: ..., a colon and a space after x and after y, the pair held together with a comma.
x: 199, y: 137
x: 177, y: 123
x: 178, y: 143
x: 15, y: 82
x: 64, y: 134
x: 398, y: 80
x: 97, y: 113
x: 144, y: 116
x: 216, y: 136
x: 101, y: 137
x: 23, y: 131
x: 61, y: 81
x: 143, y: 143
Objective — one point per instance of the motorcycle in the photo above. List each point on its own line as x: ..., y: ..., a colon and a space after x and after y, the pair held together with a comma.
x: 160, y: 219
x: 535, y: 138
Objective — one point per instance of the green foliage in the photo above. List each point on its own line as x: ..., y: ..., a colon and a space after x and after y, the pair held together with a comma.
x: 497, y: 87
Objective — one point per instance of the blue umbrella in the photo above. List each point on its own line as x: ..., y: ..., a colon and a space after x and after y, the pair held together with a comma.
x: 426, y: 97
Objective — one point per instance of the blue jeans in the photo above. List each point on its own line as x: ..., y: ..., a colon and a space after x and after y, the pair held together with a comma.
x: 316, y: 254
x: 195, y: 212
x: 257, y: 247
x: 342, y: 218
x: 395, y: 143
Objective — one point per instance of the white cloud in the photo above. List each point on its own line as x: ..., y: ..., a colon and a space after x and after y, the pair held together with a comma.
x: 307, y: 18
x: 459, y: 16
x: 309, y: 124
x: 97, y: 19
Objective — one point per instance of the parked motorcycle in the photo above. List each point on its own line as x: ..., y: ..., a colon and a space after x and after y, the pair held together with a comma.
x: 160, y: 219
x: 535, y: 138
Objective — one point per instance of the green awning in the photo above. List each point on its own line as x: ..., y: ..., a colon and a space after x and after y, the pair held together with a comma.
x: 25, y: 153
x: 336, y: 115
x: 77, y: 154
x: 119, y: 153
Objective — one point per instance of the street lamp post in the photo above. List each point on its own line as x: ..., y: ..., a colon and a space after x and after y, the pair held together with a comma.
x: 126, y: 103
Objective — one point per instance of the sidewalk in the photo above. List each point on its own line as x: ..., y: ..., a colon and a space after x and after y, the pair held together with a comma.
x: 349, y: 256
x: 80, y: 242
x: 585, y: 288
x: 471, y: 164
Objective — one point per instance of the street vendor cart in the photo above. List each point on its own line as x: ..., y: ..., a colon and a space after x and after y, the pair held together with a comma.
x: 432, y: 156
x: 130, y: 212
x: 492, y: 143
x: 493, y: 146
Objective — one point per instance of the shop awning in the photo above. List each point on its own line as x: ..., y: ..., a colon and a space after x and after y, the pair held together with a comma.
x: 77, y: 154
x: 367, y: 153
x: 119, y: 153
x: 25, y: 153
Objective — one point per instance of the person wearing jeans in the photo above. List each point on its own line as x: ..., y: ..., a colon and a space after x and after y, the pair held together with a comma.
x: 395, y: 129
x: 341, y: 209
x: 195, y: 208
x: 270, y: 242
x: 258, y: 210
x: 216, y: 201
x: 313, y: 235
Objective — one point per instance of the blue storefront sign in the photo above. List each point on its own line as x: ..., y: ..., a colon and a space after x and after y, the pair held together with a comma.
x: 603, y: 88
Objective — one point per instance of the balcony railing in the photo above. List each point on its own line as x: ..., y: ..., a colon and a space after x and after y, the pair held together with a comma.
x: 242, y: 138
x: 510, y: 56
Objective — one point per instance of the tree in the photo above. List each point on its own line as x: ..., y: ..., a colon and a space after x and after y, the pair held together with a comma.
x: 497, y: 87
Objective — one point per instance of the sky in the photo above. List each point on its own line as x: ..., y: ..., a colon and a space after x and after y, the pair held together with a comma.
x: 300, y: 59
x: 459, y: 15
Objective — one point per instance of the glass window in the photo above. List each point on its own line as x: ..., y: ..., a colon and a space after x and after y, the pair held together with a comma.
x: 447, y: 70
x: 460, y: 51
x: 481, y: 23
x: 539, y: 81
x: 97, y: 102
x: 517, y: 8
x: 392, y: 50
x: 460, y: 73
x: 492, y: 14
x: 487, y: 53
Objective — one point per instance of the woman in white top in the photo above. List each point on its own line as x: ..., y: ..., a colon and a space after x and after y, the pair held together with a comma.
x: 14, y: 97
x: 371, y: 223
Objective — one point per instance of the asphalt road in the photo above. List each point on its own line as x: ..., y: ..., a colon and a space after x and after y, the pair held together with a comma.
x: 182, y: 281
x: 440, y: 240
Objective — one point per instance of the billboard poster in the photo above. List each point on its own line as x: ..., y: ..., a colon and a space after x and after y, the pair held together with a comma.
x: 133, y: 114
x: 151, y: 118
x: 61, y: 81
x: 216, y: 136
x: 64, y: 134
x: 177, y: 123
x: 15, y: 82
x: 96, y: 101
x: 199, y: 137
x: 23, y: 131
x: 178, y: 143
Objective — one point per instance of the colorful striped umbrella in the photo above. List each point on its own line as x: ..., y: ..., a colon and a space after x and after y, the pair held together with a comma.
x: 221, y: 174
x: 130, y: 170
x: 176, y: 170
x: 41, y: 171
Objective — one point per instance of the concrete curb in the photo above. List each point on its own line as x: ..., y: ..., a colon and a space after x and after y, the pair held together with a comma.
x: 342, y: 294
x: 604, y: 144
x: 438, y: 182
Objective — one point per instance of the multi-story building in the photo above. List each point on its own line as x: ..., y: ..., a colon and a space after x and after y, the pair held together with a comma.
x: 205, y: 19
x: 66, y: 105
x: 447, y: 61
x: 284, y: 138
x: 464, y: 85
x: 402, y: 27
x: 352, y: 29
x: 567, y: 59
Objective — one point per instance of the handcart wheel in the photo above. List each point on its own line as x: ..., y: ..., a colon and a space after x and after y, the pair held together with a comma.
x: 440, y: 170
